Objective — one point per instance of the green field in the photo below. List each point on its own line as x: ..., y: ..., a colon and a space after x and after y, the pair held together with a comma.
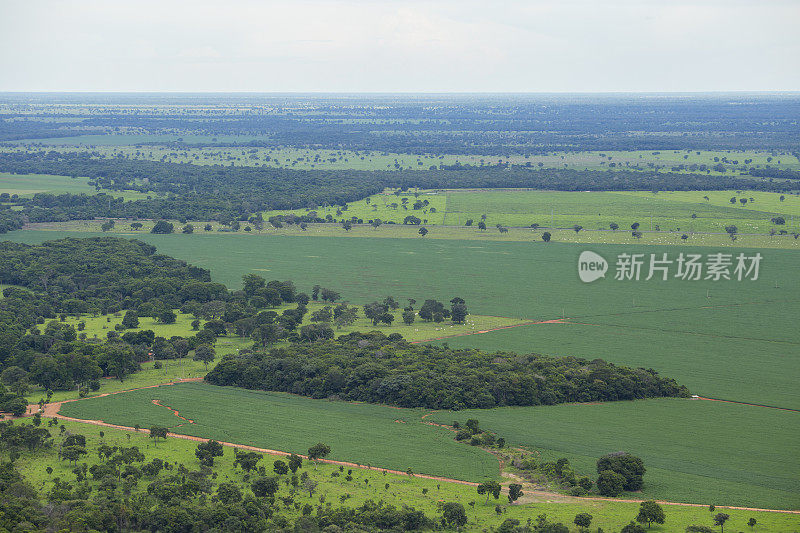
x: 695, y: 451
x: 681, y: 212
x: 29, y: 184
x: 82, y: 228
x: 26, y: 185
x: 708, y: 462
x: 727, y: 339
x: 423, y: 494
x: 366, y: 434
x: 745, y: 352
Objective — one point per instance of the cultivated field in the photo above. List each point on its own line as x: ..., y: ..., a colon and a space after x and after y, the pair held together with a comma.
x: 694, y: 322
x: 660, y: 431
x: 694, y: 450
x: 366, y: 434
x: 682, y: 212
x: 424, y: 494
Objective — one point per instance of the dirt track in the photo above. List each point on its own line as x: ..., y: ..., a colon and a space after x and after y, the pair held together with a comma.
x: 52, y: 409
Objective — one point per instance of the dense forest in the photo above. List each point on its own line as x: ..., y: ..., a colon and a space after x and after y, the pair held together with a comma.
x: 113, y: 276
x: 378, y: 369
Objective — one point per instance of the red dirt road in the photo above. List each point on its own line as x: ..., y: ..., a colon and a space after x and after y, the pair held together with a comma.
x: 52, y: 409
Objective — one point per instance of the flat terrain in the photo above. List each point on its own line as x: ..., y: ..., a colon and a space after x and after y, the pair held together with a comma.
x: 682, y: 212
x: 424, y: 494
x: 694, y: 450
x: 687, y: 461
x: 366, y: 434
x: 723, y: 339
x: 196, y: 149
x: 26, y: 185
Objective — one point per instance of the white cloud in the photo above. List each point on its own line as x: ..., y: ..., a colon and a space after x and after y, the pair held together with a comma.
x: 400, y: 45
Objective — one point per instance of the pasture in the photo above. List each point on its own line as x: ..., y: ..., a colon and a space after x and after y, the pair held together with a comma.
x: 694, y: 450
x: 26, y: 185
x: 423, y: 494
x: 448, y: 233
x: 30, y: 184
x: 367, y: 434
x: 680, y: 212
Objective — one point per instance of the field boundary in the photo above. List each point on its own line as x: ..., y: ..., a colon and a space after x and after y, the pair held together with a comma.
x: 51, y: 410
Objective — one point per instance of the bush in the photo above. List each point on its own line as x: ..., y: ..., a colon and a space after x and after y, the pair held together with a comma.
x: 609, y: 483
x: 630, y: 467
x: 578, y: 491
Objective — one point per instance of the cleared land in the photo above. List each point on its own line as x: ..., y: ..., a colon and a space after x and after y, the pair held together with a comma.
x: 26, y: 185
x: 424, y: 493
x: 682, y: 212
x: 367, y: 434
x: 686, y: 462
x: 173, y: 149
x: 694, y: 450
x: 696, y: 343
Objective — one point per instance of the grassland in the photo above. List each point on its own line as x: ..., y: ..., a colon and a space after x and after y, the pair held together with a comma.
x: 26, y: 185
x: 680, y: 212
x: 170, y: 148
x: 365, y: 434
x: 694, y: 450
x: 438, y: 233
x: 422, y: 493
x: 96, y: 327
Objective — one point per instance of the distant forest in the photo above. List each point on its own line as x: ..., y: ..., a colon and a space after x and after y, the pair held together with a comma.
x: 455, y: 124
x: 215, y: 192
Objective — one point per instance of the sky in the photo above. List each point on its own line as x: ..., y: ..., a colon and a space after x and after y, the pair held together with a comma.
x: 400, y: 46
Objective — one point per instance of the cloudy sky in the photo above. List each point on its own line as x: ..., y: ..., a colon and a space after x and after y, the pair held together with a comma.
x: 400, y: 45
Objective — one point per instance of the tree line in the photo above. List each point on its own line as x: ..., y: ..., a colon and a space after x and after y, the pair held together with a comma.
x: 374, y: 368
x: 227, y: 194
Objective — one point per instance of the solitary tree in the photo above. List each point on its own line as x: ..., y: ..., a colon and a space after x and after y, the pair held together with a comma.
x: 720, y: 519
x: 158, y: 432
x: 318, y: 451
x: 454, y: 515
x: 650, y: 512
x: 583, y: 520
x: 423, y: 231
x: 207, y: 451
x: 546, y: 236
x: 514, y: 492
x: 295, y: 462
x: 490, y: 488
x: 130, y: 320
